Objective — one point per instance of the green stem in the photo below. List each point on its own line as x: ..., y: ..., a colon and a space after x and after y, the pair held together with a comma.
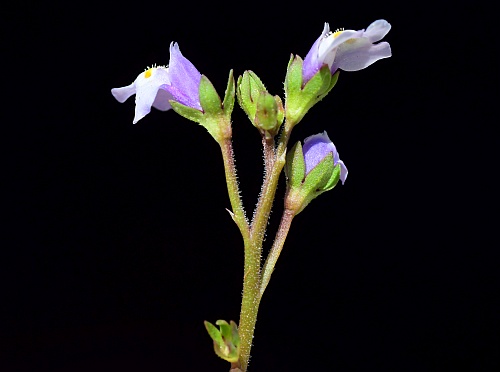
x: 250, y: 303
x: 286, y: 221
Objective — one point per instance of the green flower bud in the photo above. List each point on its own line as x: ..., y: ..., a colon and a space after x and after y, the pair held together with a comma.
x: 264, y: 111
x: 226, y: 339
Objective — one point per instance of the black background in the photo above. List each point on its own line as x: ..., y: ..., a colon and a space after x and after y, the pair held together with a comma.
x: 117, y: 244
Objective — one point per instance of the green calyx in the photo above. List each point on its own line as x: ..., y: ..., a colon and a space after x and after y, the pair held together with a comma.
x: 226, y: 339
x: 264, y: 110
x: 216, y: 113
x: 301, y: 97
x: 302, y: 188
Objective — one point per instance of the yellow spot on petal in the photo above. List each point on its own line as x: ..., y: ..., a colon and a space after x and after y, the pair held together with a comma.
x: 147, y: 73
x: 337, y: 32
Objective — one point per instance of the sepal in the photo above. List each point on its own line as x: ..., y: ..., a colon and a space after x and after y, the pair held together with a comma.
x: 334, y: 179
x: 249, y: 87
x: 228, y: 103
x: 209, y: 99
x: 319, y: 176
x: 319, y: 183
x: 295, y: 166
x: 187, y: 112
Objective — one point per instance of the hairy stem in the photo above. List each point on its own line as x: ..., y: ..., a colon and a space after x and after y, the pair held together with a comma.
x: 250, y: 303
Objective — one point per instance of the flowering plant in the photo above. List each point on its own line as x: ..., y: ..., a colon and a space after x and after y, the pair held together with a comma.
x: 311, y: 169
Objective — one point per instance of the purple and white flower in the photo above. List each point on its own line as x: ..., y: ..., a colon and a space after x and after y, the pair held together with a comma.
x: 179, y: 81
x: 348, y: 50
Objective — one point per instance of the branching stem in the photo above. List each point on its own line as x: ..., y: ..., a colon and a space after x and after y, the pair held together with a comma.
x: 274, y: 161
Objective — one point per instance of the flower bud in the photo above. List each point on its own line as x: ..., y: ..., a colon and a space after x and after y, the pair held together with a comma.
x: 264, y: 111
x: 312, y: 170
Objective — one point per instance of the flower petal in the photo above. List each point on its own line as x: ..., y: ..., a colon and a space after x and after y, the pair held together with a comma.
x: 161, y: 101
x: 123, y: 93
x: 185, y: 79
x: 377, y: 30
x: 343, y: 171
x: 356, y: 54
x: 316, y: 148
